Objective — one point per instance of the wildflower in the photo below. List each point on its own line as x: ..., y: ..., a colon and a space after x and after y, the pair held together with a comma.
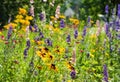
x: 36, y: 28
x: 84, y: 31
x: 48, y: 42
x: 105, y: 73
x: 62, y: 16
x: 28, y: 17
x: 62, y: 25
x: 41, y: 35
x: 25, y: 52
x: 118, y: 10
x: 28, y: 43
x: 68, y: 39
x: 57, y: 12
x: 53, y: 67
x: 22, y: 11
x: 9, y: 32
x: 73, y: 74
x: 75, y: 34
x: 41, y: 16
x: 19, y: 17
x: 106, y: 9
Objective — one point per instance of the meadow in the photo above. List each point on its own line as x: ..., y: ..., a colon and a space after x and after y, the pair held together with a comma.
x: 60, y: 50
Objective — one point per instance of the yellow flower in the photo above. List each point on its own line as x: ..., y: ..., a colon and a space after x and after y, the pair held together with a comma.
x: 0, y: 33
x: 28, y: 17
x: 69, y: 81
x: 49, y: 81
x: 22, y: 11
x: 91, y: 55
x: 19, y: 17
x: 27, y: 23
x: 40, y: 42
x: 56, y: 30
x: 92, y: 50
x: 10, y: 24
x: 22, y: 21
x: 93, y: 36
x: 52, y: 17
x: 53, y: 67
x: 62, y: 16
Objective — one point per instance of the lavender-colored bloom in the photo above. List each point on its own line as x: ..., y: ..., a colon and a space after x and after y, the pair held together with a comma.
x: 119, y: 10
x: 84, y: 31
x: 88, y: 19
x: 105, y: 73
x: 30, y: 28
x: 48, y: 42
x: 25, y: 52
x: 36, y: 28
x: 31, y: 64
x: 107, y: 29
x: 37, y: 38
x: 41, y: 16
x: 62, y: 24
x: 68, y: 40
x: 41, y: 35
x: 75, y: 34
x: 73, y: 74
x: 28, y: 43
x: 9, y: 32
x: 106, y: 9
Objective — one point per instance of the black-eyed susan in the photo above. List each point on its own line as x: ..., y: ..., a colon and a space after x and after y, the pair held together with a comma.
x: 53, y: 67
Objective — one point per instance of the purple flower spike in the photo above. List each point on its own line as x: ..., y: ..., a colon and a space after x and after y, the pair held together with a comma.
x: 105, y: 73
x: 119, y: 10
x: 106, y: 9
x: 9, y: 32
x: 75, y: 34
x: 36, y: 28
x: 73, y: 74
x: 62, y: 24
x: 68, y: 40
x: 84, y: 31
x: 41, y: 35
x: 48, y: 42
x: 41, y: 16
x: 88, y: 19
x: 28, y: 43
x: 25, y: 52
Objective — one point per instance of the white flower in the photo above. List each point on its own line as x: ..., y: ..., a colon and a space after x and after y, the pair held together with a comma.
x: 44, y: 0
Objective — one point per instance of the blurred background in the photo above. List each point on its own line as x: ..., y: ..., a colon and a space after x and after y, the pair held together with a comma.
x: 81, y: 8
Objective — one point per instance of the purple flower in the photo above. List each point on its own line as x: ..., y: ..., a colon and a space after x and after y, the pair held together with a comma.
x: 107, y: 29
x: 30, y: 28
x: 41, y: 35
x: 25, y: 52
x: 84, y: 31
x: 75, y: 34
x: 68, y: 40
x: 88, y: 19
x: 48, y: 42
x: 41, y: 16
x: 62, y: 24
x: 105, y: 73
x: 73, y: 74
x: 106, y: 9
x: 37, y: 38
x: 119, y: 10
x: 36, y: 28
x: 28, y: 43
x: 9, y: 32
